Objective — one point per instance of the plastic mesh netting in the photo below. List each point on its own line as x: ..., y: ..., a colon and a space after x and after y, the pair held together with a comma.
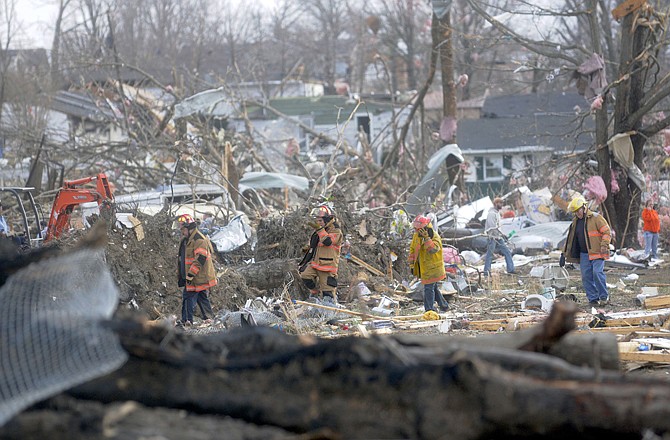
x: 50, y: 333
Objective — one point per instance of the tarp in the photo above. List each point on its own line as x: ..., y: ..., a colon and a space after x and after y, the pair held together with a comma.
x: 231, y: 236
x: 622, y: 148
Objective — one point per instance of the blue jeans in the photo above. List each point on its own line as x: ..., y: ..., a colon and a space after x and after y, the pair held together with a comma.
x: 204, y: 304
x: 651, y: 244
x: 499, y: 246
x: 188, y: 302
x: 593, y: 277
x: 430, y: 294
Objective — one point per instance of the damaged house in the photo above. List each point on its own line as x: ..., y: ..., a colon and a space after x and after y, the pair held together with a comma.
x: 300, y: 124
x: 513, y: 136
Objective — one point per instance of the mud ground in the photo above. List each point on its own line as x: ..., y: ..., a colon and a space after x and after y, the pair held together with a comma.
x: 145, y: 270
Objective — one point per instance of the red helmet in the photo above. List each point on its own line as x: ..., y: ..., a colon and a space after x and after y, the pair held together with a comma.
x: 186, y: 219
x: 322, y: 211
x: 421, y: 221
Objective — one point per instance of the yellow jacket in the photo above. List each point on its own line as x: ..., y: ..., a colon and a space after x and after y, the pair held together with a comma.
x: 425, y: 257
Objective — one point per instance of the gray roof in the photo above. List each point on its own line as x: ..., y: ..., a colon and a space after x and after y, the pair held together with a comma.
x: 549, y: 120
x: 81, y: 106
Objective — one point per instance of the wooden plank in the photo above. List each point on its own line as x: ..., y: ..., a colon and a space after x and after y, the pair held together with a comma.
x: 627, y: 330
x: 365, y: 265
x: 645, y: 356
x: 335, y: 309
x: 416, y: 325
x: 657, y: 302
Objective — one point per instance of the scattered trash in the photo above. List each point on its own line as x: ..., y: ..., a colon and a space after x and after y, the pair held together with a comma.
x: 386, y: 306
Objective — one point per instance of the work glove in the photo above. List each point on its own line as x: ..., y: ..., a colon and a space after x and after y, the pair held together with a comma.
x: 604, y: 250
x: 189, y: 277
x: 332, y: 220
x: 305, y: 249
x: 423, y: 233
x: 561, y: 261
x: 314, y: 224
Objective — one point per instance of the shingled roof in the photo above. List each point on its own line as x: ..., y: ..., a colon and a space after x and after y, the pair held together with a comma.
x: 549, y: 120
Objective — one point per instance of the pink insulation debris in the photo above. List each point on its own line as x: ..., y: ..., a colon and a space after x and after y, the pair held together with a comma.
x: 614, y: 184
x: 667, y: 149
x: 595, y: 189
x: 597, y: 103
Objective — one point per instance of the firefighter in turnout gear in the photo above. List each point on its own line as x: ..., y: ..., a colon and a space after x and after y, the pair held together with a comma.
x: 588, y: 244
x: 318, y: 269
x: 196, y: 273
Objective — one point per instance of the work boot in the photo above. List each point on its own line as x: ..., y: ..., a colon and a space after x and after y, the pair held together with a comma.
x: 594, y: 303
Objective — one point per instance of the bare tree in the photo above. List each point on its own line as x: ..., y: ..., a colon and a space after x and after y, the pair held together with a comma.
x: 641, y: 87
x: 405, y: 38
x: 325, y: 22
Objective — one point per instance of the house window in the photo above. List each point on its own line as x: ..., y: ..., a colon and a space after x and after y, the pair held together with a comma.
x: 363, y: 124
x: 493, y: 170
x: 489, y: 168
x: 507, y: 162
x: 480, y: 167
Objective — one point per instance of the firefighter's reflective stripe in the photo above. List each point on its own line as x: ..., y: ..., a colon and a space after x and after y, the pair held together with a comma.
x: 201, y: 287
x: 430, y: 246
x: 194, y: 269
x: 432, y: 280
x: 323, y: 234
x: 605, y: 232
x: 324, y: 267
x: 201, y: 251
x: 413, y: 256
x: 189, y: 260
x: 337, y: 248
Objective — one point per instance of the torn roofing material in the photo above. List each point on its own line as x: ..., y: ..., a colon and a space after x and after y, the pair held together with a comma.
x: 432, y: 182
x: 214, y: 102
x: 264, y: 180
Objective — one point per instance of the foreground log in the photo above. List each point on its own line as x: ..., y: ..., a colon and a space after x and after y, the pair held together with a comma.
x: 377, y: 387
x: 552, y: 336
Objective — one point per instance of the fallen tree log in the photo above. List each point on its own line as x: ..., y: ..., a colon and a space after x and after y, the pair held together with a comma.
x: 378, y: 387
x: 553, y: 336
x: 269, y: 274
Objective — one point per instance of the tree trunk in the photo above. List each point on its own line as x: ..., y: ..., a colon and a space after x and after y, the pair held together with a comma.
x: 388, y: 387
x: 630, y: 94
x: 447, y: 69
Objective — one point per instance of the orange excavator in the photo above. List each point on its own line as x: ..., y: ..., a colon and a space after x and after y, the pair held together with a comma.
x: 71, y: 195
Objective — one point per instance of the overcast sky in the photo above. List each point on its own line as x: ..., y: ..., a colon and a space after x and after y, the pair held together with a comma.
x: 36, y: 18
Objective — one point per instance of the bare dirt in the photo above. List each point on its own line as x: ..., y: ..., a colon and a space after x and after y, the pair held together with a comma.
x: 145, y: 270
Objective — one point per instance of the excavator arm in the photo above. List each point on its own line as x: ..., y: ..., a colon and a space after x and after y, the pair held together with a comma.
x: 71, y: 195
